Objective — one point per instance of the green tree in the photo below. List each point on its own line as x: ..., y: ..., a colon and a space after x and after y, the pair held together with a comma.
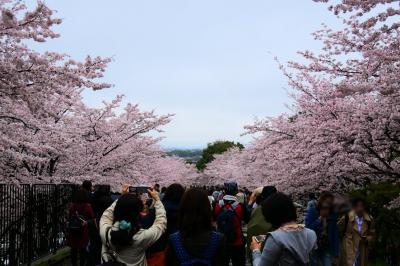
x: 216, y: 147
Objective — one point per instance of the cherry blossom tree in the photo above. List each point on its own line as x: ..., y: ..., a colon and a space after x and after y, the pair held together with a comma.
x: 48, y: 134
x: 36, y: 90
x: 166, y: 169
x: 344, y: 126
x: 111, y: 146
x: 228, y: 166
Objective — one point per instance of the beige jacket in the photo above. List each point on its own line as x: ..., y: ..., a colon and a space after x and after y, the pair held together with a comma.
x: 133, y: 255
x: 353, y: 241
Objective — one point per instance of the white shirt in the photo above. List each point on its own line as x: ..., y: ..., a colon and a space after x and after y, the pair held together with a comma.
x: 360, y: 222
x: 134, y: 254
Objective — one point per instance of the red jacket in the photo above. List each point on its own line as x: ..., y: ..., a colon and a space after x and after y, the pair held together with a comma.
x: 239, y: 239
x: 85, y: 210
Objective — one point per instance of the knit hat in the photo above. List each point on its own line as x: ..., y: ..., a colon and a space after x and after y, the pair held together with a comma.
x: 231, y: 187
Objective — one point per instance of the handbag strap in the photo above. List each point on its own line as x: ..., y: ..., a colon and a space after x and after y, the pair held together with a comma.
x: 111, y: 254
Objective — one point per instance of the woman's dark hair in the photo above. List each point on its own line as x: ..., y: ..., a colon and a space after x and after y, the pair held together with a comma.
x: 87, y: 185
x: 127, y: 208
x: 323, y: 197
x: 279, y: 209
x: 312, y: 196
x: 81, y: 196
x: 265, y: 193
x: 358, y: 199
x: 195, y: 214
x: 102, y: 190
x: 174, y: 193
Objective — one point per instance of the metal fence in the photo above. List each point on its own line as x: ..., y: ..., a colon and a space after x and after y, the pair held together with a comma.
x: 32, y: 220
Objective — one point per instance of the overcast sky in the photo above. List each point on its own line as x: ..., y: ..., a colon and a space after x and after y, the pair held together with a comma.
x: 210, y: 62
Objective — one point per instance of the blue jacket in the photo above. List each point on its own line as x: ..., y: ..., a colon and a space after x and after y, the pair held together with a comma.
x: 313, y: 222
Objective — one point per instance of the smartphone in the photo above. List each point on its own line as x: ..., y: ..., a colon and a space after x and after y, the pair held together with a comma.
x: 139, y: 190
x: 261, y: 238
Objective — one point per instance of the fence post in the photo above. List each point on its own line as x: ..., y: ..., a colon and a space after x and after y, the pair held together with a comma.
x: 55, y: 217
x: 30, y: 224
x: 12, y: 248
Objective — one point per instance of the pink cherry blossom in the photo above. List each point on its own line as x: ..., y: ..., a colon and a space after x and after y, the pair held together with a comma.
x: 48, y: 134
x: 344, y: 127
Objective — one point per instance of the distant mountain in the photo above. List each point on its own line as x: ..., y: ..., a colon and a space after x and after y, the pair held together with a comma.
x: 191, y: 155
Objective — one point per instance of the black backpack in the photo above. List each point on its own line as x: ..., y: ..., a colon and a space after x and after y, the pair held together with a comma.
x: 76, y: 224
x: 225, y: 221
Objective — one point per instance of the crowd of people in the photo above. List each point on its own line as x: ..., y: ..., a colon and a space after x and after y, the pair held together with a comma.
x: 214, y: 226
